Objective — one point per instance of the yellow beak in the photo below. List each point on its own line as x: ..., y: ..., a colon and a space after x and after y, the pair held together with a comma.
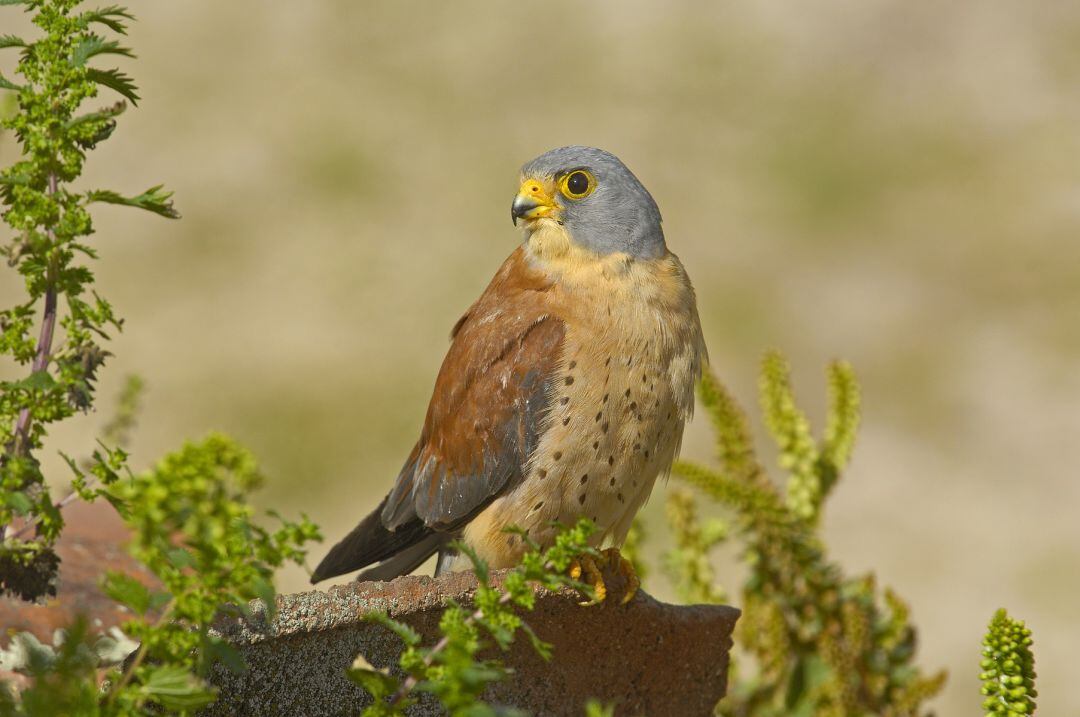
x: 533, y: 201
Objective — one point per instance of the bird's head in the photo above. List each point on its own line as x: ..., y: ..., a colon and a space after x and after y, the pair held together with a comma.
x: 591, y: 197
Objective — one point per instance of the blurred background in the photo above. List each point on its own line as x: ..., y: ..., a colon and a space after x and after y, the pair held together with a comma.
x: 890, y: 182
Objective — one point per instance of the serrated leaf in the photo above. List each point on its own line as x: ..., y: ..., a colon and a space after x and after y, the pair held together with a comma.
x: 11, y: 41
x: 111, y: 16
x: 176, y: 688
x: 37, y: 381
x: 180, y: 558
x: 126, y: 590
x: 93, y: 46
x: 152, y: 200
x: 14, y: 2
x: 14, y: 179
x: 19, y: 502
x: 116, y: 80
x: 7, y: 84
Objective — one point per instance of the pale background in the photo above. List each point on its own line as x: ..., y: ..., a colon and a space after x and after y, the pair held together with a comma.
x: 887, y: 181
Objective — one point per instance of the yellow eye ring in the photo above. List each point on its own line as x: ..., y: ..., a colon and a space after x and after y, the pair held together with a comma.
x: 577, y: 184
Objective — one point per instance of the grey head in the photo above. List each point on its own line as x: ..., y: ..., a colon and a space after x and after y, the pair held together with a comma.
x: 596, y: 198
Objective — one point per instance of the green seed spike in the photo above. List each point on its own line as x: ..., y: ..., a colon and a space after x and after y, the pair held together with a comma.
x: 1008, y: 676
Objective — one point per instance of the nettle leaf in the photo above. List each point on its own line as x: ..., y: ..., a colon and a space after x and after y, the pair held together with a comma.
x: 93, y: 46
x: 7, y: 84
x: 11, y: 41
x: 112, y: 17
x: 10, y: 179
x: 19, y: 502
x: 176, y: 688
x: 116, y: 80
x: 37, y: 381
x: 180, y: 558
x: 126, y: 590
x: 153, y: 200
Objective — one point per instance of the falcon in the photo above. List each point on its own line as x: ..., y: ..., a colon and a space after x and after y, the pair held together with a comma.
x: 564, y: 392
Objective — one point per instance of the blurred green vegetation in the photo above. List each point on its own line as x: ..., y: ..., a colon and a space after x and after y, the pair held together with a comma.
x: 818, y: 642
x: 888, y: 181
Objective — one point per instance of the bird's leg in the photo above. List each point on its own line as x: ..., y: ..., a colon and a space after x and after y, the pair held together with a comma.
x: 587, y: 565
x: 624, y: 568
x: 592, y: 569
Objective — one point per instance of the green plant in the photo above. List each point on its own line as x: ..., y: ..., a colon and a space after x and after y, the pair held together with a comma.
x: 1008, y: 668
x: 821, y: 643
x: 191, y: 525
x: 49, y: 249
x: 450, y: 670
x: 193, y: 529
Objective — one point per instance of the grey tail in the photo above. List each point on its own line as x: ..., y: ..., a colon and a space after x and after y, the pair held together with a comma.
x: 447, y: 556
x: 406, y: 561
x: 371, y: 542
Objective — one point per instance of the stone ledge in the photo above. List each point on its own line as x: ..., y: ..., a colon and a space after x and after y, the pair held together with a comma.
x: 646, y: 657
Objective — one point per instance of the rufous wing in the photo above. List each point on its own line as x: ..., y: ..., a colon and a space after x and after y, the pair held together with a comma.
x: 488, y: 407
x: 484, y: 421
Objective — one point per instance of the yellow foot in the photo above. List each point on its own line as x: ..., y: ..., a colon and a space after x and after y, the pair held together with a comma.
x: 587, y: 565
x: 626, y: 569
x: 591, y: 568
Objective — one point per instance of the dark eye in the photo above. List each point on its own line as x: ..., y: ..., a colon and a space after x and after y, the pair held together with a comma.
x: 577, y: 183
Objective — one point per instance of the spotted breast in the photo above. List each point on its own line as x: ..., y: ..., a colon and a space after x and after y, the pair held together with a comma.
x: 620, y: 396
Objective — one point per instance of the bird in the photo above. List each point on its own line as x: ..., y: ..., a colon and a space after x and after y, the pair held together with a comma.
x: 565, y: 390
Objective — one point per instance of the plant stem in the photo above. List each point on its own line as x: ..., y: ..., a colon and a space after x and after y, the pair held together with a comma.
x: 44, y: 345
x: 140, y: 655
x: 60, y: 504
x: 410, y: 681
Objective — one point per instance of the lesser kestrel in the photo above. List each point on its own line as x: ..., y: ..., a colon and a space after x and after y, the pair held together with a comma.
x: 566, y: 387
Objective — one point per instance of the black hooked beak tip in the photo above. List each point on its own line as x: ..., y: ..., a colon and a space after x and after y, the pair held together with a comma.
x: 521, y: 207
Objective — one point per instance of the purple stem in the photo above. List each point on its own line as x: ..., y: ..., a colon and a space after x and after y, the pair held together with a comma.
x: 44, y: 349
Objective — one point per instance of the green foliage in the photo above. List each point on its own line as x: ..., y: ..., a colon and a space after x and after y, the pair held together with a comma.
x: 190, y: 522
x: 450, y: 670
x: 688, y: 564
x: 48, y: 249
x: 822, y: 643
x: 193, y: 529
x: 1008, y: 668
